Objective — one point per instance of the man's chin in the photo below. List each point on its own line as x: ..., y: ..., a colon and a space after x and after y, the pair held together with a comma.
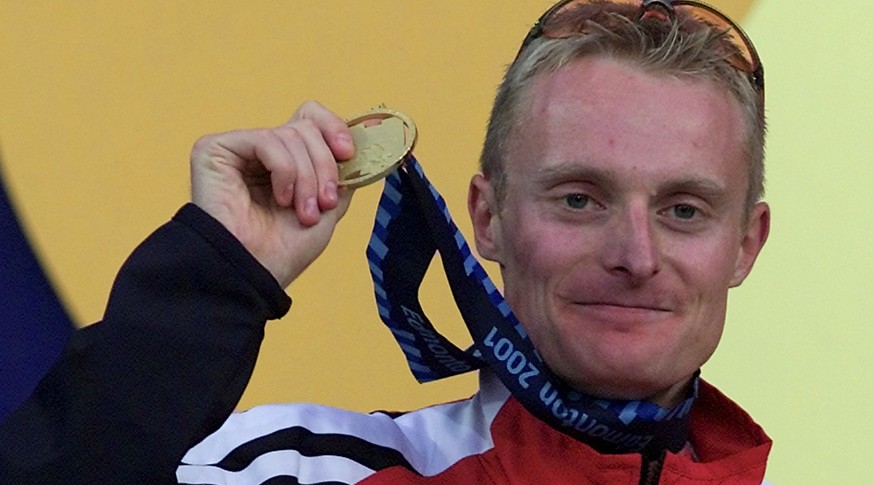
x: 632, y: 385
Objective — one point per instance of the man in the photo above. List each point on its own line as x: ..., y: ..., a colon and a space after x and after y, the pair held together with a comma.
x: 620, y: 194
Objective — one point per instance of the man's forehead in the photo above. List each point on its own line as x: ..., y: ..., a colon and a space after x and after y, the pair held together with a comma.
x: 599, y: 119
x: 607, y: 89
x: 598, y: 74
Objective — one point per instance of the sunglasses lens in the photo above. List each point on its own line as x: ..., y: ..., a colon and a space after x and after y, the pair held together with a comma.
x: 745, y: 59
x: 568, y: 19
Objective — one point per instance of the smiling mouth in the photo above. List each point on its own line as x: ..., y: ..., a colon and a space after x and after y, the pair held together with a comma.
x: 650, y: 308
x: 622, y: 311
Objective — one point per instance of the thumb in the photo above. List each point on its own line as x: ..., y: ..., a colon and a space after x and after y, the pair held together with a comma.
x: 344, y: 199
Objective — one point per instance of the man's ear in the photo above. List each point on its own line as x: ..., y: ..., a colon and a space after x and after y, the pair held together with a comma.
x: 755, y: 235
x: 481, y: 203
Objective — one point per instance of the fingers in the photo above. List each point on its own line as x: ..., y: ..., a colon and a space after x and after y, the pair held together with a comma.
x: 299, y: 158
x: 334, y: 130
x: 292, y: 174
x: 315, y: 138
x: 310, y: 173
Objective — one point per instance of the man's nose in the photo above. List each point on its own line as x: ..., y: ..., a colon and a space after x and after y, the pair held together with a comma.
x: 630, y: 249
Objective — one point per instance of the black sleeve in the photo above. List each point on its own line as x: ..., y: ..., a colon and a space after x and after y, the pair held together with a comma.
x: 166, y: 366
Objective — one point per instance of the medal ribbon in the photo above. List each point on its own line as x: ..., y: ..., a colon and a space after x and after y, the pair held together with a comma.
x: 412, y: 224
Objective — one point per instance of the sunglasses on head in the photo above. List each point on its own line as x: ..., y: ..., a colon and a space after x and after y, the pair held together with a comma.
x: 571, y: 18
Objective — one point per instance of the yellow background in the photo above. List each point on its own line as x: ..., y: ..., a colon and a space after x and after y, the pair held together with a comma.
x: 100, y: 103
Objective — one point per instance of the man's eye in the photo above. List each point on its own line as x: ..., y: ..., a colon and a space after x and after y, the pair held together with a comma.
x: 684, y: 211
x: 577, y: 201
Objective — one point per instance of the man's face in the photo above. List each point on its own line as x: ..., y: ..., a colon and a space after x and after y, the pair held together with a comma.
x: 623, y: 225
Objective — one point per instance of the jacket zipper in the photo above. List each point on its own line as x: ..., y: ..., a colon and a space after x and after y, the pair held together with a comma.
x: 650, y: 471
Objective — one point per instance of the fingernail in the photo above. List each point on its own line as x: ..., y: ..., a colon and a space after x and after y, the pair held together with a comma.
x: 311, y: 206
x: 330, y: 191
x: 345, y: 139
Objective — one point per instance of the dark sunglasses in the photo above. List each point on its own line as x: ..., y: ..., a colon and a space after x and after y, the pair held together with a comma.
x: 554, y: 24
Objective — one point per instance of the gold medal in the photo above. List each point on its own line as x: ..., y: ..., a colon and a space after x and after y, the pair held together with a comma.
x: 383, y: 138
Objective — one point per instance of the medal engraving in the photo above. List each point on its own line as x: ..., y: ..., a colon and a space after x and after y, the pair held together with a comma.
x: 383, y: 138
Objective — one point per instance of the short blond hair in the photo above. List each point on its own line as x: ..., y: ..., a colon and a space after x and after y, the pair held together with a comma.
x: 684, y: 47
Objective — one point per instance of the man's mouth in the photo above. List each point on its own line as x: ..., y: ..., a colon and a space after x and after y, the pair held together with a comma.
x: 627, y: 306
x: 622, y: 312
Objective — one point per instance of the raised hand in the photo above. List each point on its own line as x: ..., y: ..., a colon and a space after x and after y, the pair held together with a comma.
x: 275, y: 189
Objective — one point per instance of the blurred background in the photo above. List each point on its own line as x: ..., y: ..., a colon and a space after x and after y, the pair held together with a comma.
x: 100, y: 103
